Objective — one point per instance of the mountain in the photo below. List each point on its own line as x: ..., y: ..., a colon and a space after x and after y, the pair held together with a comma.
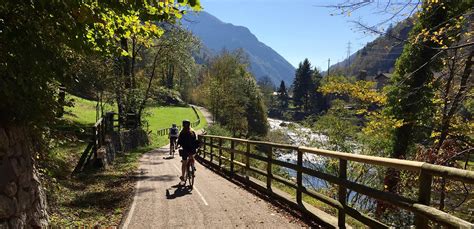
x: 217, y: 35
x: 378, y: 56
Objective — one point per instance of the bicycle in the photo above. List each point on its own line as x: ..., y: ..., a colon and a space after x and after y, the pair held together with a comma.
x: 190, y: 169
x: 190, y: 172
x: 173, y: 146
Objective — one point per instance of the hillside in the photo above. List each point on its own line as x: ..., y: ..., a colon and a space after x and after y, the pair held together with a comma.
x: 377, y: 56
x: 217, y: 35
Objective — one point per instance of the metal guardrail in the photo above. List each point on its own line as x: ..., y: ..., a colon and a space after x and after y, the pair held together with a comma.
x: 420, y: 207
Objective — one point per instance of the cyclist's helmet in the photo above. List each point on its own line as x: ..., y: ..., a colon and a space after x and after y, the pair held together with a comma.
x: 186, y: 122
x: 173, y: 125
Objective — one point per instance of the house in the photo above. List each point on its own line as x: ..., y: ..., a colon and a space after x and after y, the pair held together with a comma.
x: 382, y: 78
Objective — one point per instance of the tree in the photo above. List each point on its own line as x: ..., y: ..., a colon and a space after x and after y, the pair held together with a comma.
x: 411, y: 100
x: 302, y: 85
x: 317, y: 99
x: 282, y: 96
x: 171, y: 57
x: 305, y: 89
x: 267, y: 88
x: 256, y: 111
x: 38, y: 44
x: 233, y: 96
x: 69, y: 26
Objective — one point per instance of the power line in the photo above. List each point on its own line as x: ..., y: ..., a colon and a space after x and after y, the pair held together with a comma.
x: 329, y: 64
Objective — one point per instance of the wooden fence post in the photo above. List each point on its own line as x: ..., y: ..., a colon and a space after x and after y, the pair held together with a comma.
x: 204, y: 154
x: 103, y: 129
x: 199, y: 151
x: 424, y: 197
x: 212, y: 146
x: 211, y: 153
x: 299, y: 178
x: 342, y: 193
x: 269, y: 152
x: 220, y: 152
x: 94, y: 140
x: 232, y: 157
x: 99, y: 133
x: 247, y: 162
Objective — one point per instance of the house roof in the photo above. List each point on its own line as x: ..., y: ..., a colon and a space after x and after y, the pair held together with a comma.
x: 386, y: 75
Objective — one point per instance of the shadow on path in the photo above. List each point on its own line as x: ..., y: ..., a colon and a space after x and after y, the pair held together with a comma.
x: 180, y: 191
x: 153, y: 163
x: 155, y: 178
x: 168, y: 157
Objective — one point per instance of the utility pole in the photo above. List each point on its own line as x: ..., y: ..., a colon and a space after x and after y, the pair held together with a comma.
x: 348, y: 58
x: 349, y: 53
x: 329, y: 64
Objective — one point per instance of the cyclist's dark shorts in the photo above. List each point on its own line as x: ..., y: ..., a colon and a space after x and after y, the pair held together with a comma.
x: 186, y: 154
x: 173, y: 138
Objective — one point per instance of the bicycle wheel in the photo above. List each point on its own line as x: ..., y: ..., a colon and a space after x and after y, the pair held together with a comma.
x: 171, y: 147
x: 191, y: 175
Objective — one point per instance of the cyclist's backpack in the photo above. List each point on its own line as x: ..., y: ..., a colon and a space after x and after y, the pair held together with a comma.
x: 174, y: 132
x: 197, y: 144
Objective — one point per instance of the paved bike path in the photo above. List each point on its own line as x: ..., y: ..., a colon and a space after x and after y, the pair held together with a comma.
x: 213, y: 203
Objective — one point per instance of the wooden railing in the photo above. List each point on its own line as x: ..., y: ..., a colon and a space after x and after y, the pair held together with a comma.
x: 99, y: 130
x: 214, y: 146
x: 166, y: 131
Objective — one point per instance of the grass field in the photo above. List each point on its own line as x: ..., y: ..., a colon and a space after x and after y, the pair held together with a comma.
x: 84, y: 111
x: 163, y: 117
x: 158, y: 117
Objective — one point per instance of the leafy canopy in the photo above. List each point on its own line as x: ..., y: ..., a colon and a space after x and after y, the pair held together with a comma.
x: 37, y: 36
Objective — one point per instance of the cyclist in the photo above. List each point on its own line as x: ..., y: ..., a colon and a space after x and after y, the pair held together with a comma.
x: 187, y: 140
x: 173, y: 136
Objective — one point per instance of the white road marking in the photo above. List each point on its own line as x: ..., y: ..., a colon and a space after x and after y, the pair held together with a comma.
x: 132, y: 208
x: 202, y: 197
x: 194, y: 187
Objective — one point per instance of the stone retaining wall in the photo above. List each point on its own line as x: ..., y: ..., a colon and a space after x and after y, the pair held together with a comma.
x: 22, y: 199
x: 132, y: 139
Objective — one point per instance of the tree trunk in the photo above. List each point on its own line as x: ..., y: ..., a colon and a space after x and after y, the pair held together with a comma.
x: 126, y: 64
x: 22, y: 199
x: 147, y: 93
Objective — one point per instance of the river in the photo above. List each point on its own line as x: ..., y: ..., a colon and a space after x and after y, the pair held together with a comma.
x: 299, y: 135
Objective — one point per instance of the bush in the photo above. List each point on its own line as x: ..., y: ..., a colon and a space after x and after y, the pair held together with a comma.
x: 168, y: 97
x: 218, y: 130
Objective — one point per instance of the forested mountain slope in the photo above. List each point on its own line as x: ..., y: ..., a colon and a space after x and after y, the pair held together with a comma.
x: 379, y: 55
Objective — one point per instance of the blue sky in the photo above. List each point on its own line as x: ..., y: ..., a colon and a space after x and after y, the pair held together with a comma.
x: 299, y: 29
